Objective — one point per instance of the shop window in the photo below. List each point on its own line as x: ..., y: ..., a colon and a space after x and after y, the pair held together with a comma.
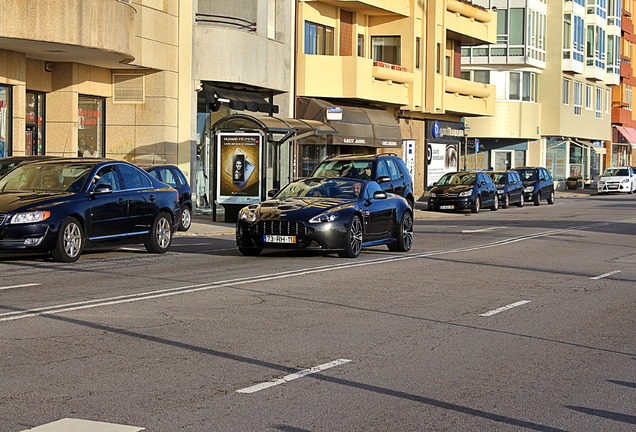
x: 35, y: 124
x: 556, y: 158
x: 386, y: 49
x: 318, y: 39
x: 6, y: 120
x: 90, y: 133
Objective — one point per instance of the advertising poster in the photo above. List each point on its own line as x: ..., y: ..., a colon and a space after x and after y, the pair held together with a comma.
x: 441, y: 158
x: 239, y: 170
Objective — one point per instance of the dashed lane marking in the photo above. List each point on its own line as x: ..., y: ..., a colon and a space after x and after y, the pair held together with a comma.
x: 78, y: 425
x: 604, y: 275
x: 504, y: 308
x: 291, y: 377
x: 19, y: 286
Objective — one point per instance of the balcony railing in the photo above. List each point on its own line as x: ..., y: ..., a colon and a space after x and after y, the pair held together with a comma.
x: 469, y: 10
x: 226, y: 21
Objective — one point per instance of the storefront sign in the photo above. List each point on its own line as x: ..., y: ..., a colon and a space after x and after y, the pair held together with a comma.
x: 408, y: 147
x: 334, y: 113
x: 441, y: 158
x: 239, y: 167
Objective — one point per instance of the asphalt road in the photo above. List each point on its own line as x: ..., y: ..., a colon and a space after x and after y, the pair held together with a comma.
x: 520, y: 319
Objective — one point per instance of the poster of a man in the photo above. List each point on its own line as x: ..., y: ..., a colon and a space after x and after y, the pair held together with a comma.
x: 239, y: 168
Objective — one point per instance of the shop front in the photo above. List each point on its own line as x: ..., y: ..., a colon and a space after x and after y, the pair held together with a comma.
x: 493, y: 153
x: 623, y: 143
x: 361, y: 129
x: 569, y: 157
x: 6, y: 120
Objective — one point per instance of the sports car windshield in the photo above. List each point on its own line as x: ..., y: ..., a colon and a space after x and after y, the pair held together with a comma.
x: 49, y: 177
x: 457, y: 179
x: 616, y: 172
x: 361, y: 169
x: 322, y: 188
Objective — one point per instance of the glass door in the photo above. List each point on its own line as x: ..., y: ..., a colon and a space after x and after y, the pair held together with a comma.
x: 34, y: 124
x: 503, y: 160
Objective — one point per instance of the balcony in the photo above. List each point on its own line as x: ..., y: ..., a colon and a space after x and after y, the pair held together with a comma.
x: 99, y: 33
x: 352, y: 78
x: 468, y: 97
x: 621, y: 114
x: 373, y: 7
x: 470, y: 24
x: 514, y: 120
x: 627, y: 24
x: 626, y: 70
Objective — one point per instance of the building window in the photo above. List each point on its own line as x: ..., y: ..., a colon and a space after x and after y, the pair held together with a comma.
x: 6, y: 120
x: 360, y: 45
x: 514, y: 91
x: 90, y: 133
x: 588, y: 97
x: 35, y: 124
x: 482, y: 76
x: 439, y: 57
x: 271, y: 19
x: 318, y: 39
x: 465, y: 75
x: 628, y: 96
x: 517, y: 26
x: 566, y: 91
x: 502, y: 26
x: 578, y: 98
x: 529, y: 90
x: 608, y: 101
x: 599, y: 103
x: 418, y: 49
x: 386, y: 49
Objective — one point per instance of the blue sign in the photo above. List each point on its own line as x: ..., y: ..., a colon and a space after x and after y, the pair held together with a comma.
x: 435, y: 129
x: 476, y: 145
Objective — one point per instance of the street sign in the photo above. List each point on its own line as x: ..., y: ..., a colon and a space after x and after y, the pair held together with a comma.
x: 476, y: 145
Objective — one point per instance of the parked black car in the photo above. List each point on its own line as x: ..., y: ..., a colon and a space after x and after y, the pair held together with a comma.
x: 388, y: 170
x: 464, y: 190
x: 172, y: 175
x: 538, y: 184
x: 61, y: 205
x: 10, y: 163
x: 509, y: 187
x: 327, y: 214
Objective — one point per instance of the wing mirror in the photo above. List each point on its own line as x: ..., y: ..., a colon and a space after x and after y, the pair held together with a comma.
x: 102, y: 188
x: 272, y: 192
x: 379, y: 195
x: 384, y: 179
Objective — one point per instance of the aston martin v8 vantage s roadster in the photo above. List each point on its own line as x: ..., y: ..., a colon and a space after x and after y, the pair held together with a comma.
x: 326, y: 214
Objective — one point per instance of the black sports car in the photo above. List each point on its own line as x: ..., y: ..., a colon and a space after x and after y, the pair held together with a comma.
x: 327, y: 214
x: 59, y: 205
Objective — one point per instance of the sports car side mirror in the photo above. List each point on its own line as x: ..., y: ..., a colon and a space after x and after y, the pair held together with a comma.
x: 272, y: 192
x: 101, y: 189
x: 379, y: 195
x: 384, y: 179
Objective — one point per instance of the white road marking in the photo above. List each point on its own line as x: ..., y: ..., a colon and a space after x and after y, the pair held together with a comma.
x: 504, y: 308
x: 149, y: 295
x: 605, y: 275
x: 482, y: 230
x: 77, y: 425
x: 291, y: 377
x: 19, y: 286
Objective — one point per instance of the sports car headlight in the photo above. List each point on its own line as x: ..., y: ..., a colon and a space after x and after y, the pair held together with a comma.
x: 247, y: 215
x: 324, y: 217
x: 529, y: 189
x: 432, y: 194
x: 30, y: 217
x: 466, y: 193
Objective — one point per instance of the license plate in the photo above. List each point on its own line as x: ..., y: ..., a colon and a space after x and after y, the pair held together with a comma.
x: 279, y: 239
x: 612, y: 186
x: 446, y: 207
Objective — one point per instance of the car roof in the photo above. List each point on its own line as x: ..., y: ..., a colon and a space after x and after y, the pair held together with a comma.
x: 360, y: 156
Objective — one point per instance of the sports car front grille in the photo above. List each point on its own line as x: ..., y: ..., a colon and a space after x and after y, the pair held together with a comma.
x: 277, y: 227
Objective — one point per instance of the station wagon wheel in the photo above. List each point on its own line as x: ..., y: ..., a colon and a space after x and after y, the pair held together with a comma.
x: 70, y: 241
x: 405, y: 239
x: 506, y: 201
x: 354, y: 239
x: 160, y: 237
x: 186, y: 218
x: 477, y: 205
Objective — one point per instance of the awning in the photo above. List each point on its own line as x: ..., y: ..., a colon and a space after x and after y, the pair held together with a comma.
x: 240, y: 100
x: 360, y: 125
x: 274, y: 125
x: 597, y: 148
x: 628, y: 133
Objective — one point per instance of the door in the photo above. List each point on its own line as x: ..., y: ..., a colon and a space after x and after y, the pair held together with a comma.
x: 109, y: 211
x: 503, y: 159
x: 398, y: 181
x: 34, y: 121
x: 142, y: 199
x: 377, y: 214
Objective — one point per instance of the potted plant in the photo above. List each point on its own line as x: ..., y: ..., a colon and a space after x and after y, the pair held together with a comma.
x: 572, y: 182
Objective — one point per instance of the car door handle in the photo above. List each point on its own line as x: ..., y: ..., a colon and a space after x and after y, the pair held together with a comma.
x: 122, y: 201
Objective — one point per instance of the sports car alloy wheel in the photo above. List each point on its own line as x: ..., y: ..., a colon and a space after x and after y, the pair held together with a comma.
x: 186, y: 218
x: 354, y: 239
x: 70, y: 241
x: 405, y: 241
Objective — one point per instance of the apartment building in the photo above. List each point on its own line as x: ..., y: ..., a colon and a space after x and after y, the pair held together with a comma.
x: 90, y: 78
x: 391, y: 72
x: 561, y: 117
x: 623, y: 142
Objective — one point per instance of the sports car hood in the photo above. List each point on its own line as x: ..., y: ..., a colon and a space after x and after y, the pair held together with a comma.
x: 298, y: 208
x: 10, y: 201
x: 452, y: 189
